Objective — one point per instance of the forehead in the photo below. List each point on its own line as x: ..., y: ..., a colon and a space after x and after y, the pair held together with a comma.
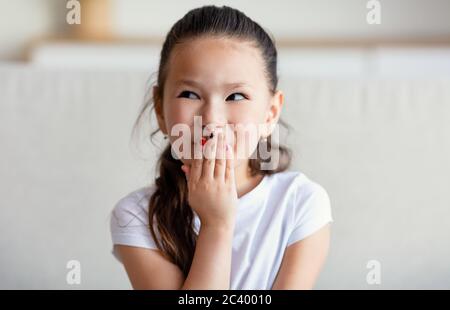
x: 212, y: 60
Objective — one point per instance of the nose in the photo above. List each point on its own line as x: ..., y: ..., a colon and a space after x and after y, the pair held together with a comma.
x: 213, y: 116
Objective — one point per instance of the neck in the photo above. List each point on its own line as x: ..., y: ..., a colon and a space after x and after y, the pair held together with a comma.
x: 244, y: 181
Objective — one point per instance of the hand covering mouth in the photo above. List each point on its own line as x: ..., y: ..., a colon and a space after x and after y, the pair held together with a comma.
x: 206, y: 138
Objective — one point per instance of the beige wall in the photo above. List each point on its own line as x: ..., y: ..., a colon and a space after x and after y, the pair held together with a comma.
x: 22, y: 20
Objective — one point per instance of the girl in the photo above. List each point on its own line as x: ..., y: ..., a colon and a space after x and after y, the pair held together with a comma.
x: 217, y: 220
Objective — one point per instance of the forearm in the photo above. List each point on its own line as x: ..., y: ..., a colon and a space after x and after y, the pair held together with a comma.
x: 211, y: 265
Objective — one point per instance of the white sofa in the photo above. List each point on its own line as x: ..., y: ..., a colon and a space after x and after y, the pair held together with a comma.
x: 381, y: 148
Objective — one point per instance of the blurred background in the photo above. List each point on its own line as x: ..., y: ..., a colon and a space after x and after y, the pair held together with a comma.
x: 368, y: 99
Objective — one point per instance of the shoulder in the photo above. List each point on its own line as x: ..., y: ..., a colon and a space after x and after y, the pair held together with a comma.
x: 298, y: 185
x: 129, y: 220
x: 308, y: 190
x: 132, y: 209
x: 309, y: 203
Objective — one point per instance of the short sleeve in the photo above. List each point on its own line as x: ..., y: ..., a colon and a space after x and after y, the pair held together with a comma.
x: 312, y: 212
x: 129, y: 224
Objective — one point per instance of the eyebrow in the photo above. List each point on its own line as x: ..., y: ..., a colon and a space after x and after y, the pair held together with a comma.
x: 197, y: 84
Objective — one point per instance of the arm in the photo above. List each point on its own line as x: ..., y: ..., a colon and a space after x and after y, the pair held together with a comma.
x: 211, y: 265
x: 149, y: 269
x: 212, y: 194
x: 303, y: 261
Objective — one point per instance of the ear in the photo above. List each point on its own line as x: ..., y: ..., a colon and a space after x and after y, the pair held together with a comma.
x: 157, y: 100
x: 274, y: 111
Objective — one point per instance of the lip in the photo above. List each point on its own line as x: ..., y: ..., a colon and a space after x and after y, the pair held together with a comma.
x: 202, y: 141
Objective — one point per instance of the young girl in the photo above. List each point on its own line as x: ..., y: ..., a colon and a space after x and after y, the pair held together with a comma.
x: 217, y: 220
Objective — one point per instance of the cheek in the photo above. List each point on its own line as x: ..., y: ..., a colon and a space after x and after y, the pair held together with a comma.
x: 246, y: 143
x: 250, y: 114
x: 179, y: 114
x: 247, y: 120
x: 252, y: 111
x: 245, y: 138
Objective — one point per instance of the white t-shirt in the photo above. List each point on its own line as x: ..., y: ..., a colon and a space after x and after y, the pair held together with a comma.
x: 283, y: 208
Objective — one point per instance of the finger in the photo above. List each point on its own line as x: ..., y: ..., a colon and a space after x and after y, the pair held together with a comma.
x: 229, y: 170
x: 197, y: 163
x: 210, y: 156
x: 186, y: 170
x: 219, y: 169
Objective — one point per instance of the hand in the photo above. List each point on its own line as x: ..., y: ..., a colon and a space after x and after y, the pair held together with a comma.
x: 211, y: 184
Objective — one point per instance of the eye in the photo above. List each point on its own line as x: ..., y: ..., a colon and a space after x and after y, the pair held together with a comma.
x: 188, y: 94
x: 237, y: 96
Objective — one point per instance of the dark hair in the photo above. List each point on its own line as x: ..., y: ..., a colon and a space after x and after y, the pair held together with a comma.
x: 169, y: 212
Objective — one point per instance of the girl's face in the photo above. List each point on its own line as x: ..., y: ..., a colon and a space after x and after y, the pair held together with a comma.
x: 223, y: 81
